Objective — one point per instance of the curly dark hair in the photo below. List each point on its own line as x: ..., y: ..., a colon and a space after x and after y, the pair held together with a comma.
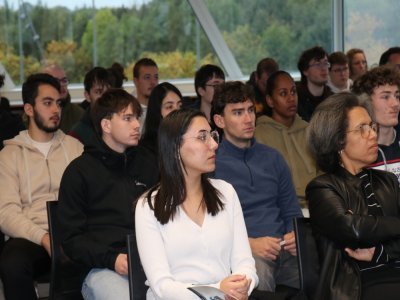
x: 374, y: 78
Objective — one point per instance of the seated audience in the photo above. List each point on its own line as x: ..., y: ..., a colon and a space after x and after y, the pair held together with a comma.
x: 96, y: 195
x: 391, y: 57
x: 380, y: 88
x: 265, y: 68
x: 96, y: 82
x: 355, y: 211
x: 190, y: 229
x: 312, y: 89
x: 205, y: 81
x: 31, y: 166
x: 285, y: 131
x: 264, y: 185
x: 164, y: 98
x: 357, y: 63
x: 339, y: 80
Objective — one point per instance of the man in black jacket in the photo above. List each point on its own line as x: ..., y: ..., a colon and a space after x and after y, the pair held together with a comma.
x: 97, y: 192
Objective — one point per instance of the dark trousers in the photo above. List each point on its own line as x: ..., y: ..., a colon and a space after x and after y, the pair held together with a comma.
x: 21, y: 262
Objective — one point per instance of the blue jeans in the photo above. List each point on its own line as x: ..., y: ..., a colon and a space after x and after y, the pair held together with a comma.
x: 283, y: 271
x: 104, y: 284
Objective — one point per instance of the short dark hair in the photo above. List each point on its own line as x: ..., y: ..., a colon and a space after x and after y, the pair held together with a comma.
x: 143, y: 62
x: 386, y: 55
x: 113, y: 101
x: 153, y: 116
x: 30, y: 88
x: 374, y: 78
x: 273, y: 78
x: 316, y: 53
x: 326, y: 134
x: 337, y: 58
x: 97, y: 75
x: 230, y: 92
x: 171, y: 191
x: 204, y: 74
x: 267, y: 65
x: 117, y: 74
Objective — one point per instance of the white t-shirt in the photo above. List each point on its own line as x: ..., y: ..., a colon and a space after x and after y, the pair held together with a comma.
x: 44, y: 148
x: 181, y: 253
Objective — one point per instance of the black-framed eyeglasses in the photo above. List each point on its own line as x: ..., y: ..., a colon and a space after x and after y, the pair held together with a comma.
x: 213, y: 85
x: 321, y: 65
x: 340, y: 70
x: 365, y: 129
x: 205, y: 136
x: 63, y: 81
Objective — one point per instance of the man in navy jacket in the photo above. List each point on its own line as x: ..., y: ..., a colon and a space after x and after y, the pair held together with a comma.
x: 264, y: 185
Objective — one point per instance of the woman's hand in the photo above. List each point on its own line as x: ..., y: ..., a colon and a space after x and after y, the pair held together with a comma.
x: 364, y: 254
x: 236, y: 287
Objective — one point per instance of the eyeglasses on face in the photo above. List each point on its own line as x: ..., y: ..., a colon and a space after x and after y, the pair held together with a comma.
x: 340, y: 70
x: 205, y: 136
x: 365, y: 129
x: 213, y: 85
x: 63, y: 81
x: 320, y: 65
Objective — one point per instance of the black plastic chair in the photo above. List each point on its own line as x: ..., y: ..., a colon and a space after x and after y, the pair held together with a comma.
x: 307, y: 257
x: 66, y: 276
x: 137, y: 278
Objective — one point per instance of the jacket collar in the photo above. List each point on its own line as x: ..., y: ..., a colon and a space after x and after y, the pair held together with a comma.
x: 237, y: 151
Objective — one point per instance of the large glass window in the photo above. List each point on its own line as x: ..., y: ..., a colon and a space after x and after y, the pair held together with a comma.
x: 279, y: 29
x: 372, y: 26
x: 79, y: 34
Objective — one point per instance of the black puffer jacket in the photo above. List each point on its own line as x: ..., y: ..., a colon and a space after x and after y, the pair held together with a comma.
x: 95, y: 202
x: 339, y: 217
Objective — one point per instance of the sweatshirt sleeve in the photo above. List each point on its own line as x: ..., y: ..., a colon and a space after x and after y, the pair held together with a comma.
x: 13, y: 221
x: 154, y: 259
x: 77, y: 241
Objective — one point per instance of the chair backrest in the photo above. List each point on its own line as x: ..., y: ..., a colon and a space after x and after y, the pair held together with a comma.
x: 137, y: 278
x: 66, y: 276
x: 307, y: 256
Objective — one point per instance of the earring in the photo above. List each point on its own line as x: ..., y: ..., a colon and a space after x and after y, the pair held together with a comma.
x: 340, y: 152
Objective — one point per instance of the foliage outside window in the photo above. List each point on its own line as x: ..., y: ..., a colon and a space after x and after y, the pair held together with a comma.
x: 166, y: 30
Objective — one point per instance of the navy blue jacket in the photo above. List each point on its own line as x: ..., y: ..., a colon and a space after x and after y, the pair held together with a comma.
x: 264, y: 185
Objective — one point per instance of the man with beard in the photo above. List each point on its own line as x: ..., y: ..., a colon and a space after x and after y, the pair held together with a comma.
x: 312, y: 90
x: 31, y: 166
x: 71, y: 113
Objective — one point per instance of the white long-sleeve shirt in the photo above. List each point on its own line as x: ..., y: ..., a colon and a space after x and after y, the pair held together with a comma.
x: 181, y: 253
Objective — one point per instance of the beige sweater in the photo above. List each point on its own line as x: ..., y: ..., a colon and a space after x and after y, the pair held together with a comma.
x: 291, y: 143
x: 28, y: 180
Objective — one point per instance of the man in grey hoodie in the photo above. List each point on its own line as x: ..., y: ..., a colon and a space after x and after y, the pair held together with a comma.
x: 31, y: 166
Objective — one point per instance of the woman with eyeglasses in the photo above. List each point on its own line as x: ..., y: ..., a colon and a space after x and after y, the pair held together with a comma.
x: 190, y: 229
x: 354, y: 211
